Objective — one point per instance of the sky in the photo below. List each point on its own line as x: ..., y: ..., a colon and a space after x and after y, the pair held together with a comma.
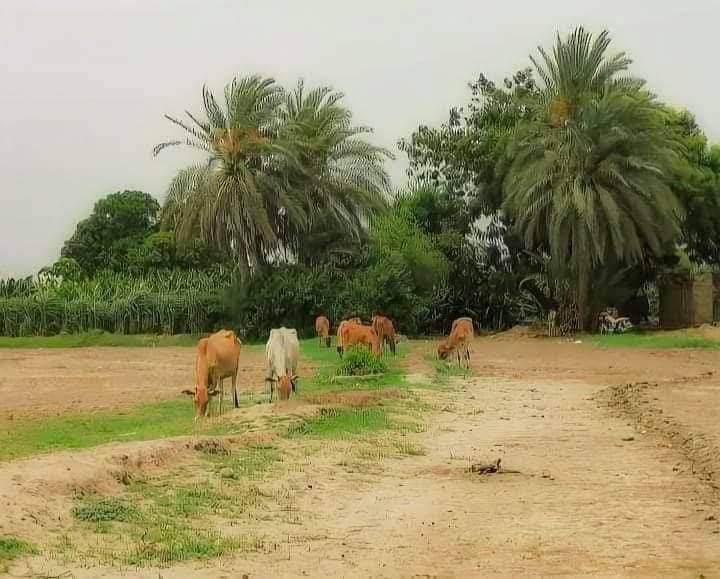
x: 84, y: 84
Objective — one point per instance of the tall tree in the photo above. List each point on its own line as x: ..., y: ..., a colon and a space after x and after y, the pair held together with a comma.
x: 275, y: 162
x: 588, y: 179
x: 118, y: 223
x: 696, y: 183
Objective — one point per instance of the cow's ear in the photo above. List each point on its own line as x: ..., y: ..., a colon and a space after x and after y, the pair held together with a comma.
x: 294, y: 378
x: 188, y: 392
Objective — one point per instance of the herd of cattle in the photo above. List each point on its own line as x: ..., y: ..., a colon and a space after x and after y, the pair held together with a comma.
x: 218, y: 356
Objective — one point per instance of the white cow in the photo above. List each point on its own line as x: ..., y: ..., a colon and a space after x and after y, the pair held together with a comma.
x: 282, y: 353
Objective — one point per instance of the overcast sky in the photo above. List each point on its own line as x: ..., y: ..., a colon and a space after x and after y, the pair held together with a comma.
x: 84, y: 84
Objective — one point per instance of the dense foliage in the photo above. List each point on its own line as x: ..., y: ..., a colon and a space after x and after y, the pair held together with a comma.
x: 277, y: 162
x: 159, y: 302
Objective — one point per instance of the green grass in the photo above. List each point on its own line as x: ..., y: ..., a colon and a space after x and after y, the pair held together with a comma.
x: 104, y: 510
x: 247, y: 463
x: 148, y: 422
x: 343, y: 423
x: 656, y: 341
x: 12, y: 548
x: 99, y: 339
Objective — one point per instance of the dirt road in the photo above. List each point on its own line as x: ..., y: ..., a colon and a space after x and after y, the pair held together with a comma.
x: 584, y: 503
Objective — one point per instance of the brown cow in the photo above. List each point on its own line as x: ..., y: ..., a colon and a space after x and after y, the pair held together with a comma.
x: 338, y: 341
x: 322, y: 329
x: 353, y: 334
x: 217, y: 358
x: 385, y: 332
x: 461, y: 334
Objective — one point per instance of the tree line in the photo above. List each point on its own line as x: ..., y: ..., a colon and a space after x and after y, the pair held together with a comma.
x: 568, y: 186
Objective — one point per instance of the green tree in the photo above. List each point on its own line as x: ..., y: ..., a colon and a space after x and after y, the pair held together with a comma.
x: 117, y: 224
x: 589, y: 173
x: 466, y: 155
x: 275, y: 162
x: 696, y: 182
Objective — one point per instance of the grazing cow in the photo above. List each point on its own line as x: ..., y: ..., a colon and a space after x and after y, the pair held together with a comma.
x: 338, y: 341
x: 217, y: 358
x: 352, y: 334
x: 461, y: 334
x: 282, y: 353
x: 322, y: 329
x: 385, y: 332
x: 608, y: 324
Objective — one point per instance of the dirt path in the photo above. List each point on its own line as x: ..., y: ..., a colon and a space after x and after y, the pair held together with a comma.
x: 585, y: 503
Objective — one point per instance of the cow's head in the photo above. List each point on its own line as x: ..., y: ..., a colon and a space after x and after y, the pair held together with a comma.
x: 201, y: 402
x: 443, y: 350
x: 284, y: 387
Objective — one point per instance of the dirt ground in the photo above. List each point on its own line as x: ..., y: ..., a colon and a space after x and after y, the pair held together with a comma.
x: 615, y: 454
x: 58, y: 381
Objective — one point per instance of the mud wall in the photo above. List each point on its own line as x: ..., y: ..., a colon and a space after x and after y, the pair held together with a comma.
x: 686, y: 303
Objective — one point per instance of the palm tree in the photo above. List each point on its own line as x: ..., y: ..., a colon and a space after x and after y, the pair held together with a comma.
x: 344, y: 181
x: 275, y: 162
x: 588, y: 175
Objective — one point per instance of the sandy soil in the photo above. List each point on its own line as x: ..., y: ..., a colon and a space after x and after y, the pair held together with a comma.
x: 611, y: 478
x: 59, y: 381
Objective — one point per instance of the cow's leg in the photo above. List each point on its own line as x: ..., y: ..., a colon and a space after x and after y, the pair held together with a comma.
x: 235, y: 394
x: 222, y: 394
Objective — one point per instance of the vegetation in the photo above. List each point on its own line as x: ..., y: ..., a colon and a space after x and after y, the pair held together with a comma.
x: 161, y: 420
x: 276, y: 161
x: 360, y: 362
x: 101, y: 339
x: 12, y: 548
x: 661, y: 341
x: 169, y: 302
x: 342, y: 423
x: 588, y: 179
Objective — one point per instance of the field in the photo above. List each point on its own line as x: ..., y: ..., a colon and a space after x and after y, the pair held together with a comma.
x: 609, y: 449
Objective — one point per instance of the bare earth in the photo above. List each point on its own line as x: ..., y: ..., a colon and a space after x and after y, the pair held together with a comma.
x: 615, y: 452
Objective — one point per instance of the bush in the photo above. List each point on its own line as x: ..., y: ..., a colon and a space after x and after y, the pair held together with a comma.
x: 360, y: 362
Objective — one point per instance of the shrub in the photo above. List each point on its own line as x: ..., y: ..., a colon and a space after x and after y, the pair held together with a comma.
x: 361, y: 362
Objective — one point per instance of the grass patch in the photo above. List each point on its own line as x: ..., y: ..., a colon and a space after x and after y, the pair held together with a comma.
x: 656, y: 341
x: 343, y: 423
x: 100, y: 339
x: 148, y: 422
x: 360, y: 362
x: 12, y: 548
x: 104, y: 510
x: 248, y: 463
x: 172, y: 543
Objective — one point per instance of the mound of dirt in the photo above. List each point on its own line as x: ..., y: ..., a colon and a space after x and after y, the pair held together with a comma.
x: 517, y: 332
x: 36, y: 494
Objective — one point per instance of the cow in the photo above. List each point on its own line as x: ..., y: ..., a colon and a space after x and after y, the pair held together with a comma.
x: 322, y: 329
x: 608, y: 324
x: 461, y: 334
x: 385, y: 332
x: 282, y: 353
x: 217, y: 358
x: 338, y: 341
x: 352, y: 334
